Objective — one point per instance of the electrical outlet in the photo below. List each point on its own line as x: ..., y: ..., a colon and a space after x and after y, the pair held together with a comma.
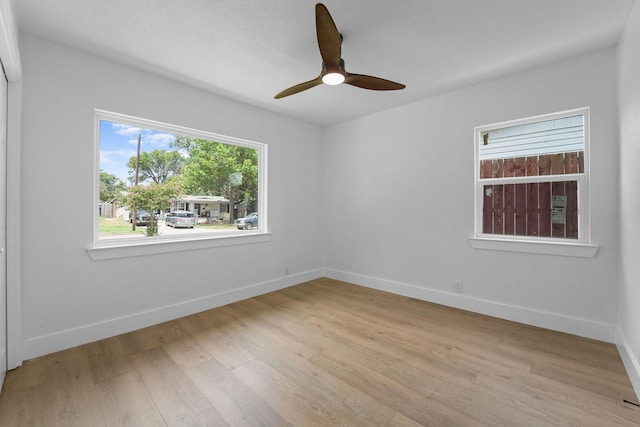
x: 458, y: 287
x: 286, y: 270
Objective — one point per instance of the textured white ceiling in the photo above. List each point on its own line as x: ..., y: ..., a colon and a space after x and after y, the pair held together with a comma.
x: 250, y: 50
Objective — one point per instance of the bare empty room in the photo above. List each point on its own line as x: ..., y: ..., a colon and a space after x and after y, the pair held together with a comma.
x: 299, y: 213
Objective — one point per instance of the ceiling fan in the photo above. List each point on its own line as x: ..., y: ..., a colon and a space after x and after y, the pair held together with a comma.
x: 333, y: 71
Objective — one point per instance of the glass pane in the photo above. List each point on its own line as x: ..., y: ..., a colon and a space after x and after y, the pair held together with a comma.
x: 546, y: 209
x: 560, y: 135
x: 172, y: 184
x: 546, y: 164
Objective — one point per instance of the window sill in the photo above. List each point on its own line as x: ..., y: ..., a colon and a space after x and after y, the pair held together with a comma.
x: 580, y: 250
x: 112, y: 250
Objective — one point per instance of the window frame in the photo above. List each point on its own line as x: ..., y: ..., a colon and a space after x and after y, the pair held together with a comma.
x: 535, y: 244
x: 101, y: 249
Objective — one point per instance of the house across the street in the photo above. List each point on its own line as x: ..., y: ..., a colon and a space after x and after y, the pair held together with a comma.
x: 203, y: 206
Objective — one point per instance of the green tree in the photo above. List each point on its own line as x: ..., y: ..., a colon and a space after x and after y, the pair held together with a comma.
x: 152, y: 198
x: 110, y: 186
x: 185, y: 144
x: 214, y: 168
x: 156, y: 166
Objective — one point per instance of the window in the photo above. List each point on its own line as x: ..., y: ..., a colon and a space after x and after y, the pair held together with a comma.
x: 532, y: 179
x: 147, y: 170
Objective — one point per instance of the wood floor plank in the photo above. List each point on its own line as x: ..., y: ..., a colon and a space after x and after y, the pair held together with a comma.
x: 268, y: 334
x: 608, y: 374
x: 416, y: 359
x: 187, y: 352
x: 71, y: 398
x: 376, y: 324
x: 400, y: 420
x: 553, y: 401
x: 326, y: 353
x: 308, y: 336
x: 176, y: 397
x: 283, y: 302
x: 327, y: 390
x: 595, y: 384
x: 31, y: 374
x: 291, y: 400
x: 414, y: 405
x: 107, y: 359
x: 151, y: 337
x: 218, y: 341
x: 18, y: 407
x: 238, y: 404
x: 125, y: 401
x: 484, y: 408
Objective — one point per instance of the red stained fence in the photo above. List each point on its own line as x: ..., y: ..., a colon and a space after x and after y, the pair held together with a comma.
x: 546, y: 209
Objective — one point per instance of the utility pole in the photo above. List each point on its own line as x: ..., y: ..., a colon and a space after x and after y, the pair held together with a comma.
x: 135, y: 183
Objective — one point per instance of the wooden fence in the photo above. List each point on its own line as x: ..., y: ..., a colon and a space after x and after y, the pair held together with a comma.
x: 545, y: 209
x: 106, y: 210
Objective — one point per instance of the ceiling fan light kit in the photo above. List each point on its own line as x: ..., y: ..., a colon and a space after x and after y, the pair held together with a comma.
x: 332, y: 79
x: 333, y: 70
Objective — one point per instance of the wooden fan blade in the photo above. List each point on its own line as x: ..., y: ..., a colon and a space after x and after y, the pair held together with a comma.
x: 329, y: 40
x: 372, y: 83
x: 299, y: 87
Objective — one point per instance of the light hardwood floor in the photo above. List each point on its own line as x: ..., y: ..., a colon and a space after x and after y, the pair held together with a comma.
x: 326, y: 353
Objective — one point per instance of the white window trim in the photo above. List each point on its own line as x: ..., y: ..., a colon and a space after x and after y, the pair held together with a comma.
x: 541, y: 246
x: 581, y: 247
x: 102, y: 249
x: 161, y: 246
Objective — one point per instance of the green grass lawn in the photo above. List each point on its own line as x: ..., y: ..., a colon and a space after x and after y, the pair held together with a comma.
x: 218, y: 226
x: 118, y: 226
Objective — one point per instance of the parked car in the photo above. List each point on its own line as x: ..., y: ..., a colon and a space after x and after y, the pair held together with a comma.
x: 180, y: 219
x: 248, y: 222
x: 142, y: 217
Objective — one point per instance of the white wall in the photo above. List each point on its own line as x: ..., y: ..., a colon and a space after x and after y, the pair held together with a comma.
x: 68, y: 298
x: 390, y: 204
x: 398, y: 193
x: 629, y: 295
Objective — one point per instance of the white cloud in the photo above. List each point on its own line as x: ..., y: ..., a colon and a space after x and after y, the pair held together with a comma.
x: 159, y: 139
x: 115, y: 156
x: 122, y: 129
x: 133, y: 141
x: 150, y: 138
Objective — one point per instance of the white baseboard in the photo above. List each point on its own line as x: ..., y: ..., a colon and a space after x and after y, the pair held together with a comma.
x: 62, y: 340
x: 46, y: 344
x: 631, y: 363
x: 554, y: 321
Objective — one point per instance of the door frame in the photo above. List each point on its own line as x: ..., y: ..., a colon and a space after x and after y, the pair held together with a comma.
x: 9, y: 52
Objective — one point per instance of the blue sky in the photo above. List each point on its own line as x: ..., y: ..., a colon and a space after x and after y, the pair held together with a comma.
x: 118, y: 143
